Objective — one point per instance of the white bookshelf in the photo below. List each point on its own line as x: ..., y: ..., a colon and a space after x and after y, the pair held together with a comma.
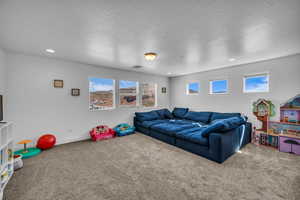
x: 6, y: 155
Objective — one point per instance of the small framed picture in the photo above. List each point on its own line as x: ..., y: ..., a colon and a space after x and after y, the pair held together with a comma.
x: 58, y: 83
x: 75, y: 92
x: 163, y: 90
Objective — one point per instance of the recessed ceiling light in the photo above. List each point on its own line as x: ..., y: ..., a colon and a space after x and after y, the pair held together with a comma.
x: 169, y: 73
x: 50, y: 50
x: 150, y: 56
x: 231, y: 59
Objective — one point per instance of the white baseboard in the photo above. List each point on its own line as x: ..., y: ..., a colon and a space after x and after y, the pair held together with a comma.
x: 69, y: 140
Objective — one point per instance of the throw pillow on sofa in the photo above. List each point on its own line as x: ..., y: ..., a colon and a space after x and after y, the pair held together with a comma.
x: 198, y: 116
x: 180, y: 112
x: 223, y: 125
x: 164, y: 114
x: 168, y: 114
x: 161, y: 113
x: 147, y: 116
x: 216, y: 115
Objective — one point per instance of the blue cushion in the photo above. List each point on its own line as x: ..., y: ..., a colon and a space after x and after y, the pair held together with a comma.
x: 232, y: 123
x: 147, y: 116
x: 168, y: 114
x: 198, y: 116
x: 148, y: 124
x: 180, y: 112
x: 170, y: 128
x: 193, y: 136
x: 223, y: 125
x: 216, y: 115
x: 164, y: 113
x: 161, y: 113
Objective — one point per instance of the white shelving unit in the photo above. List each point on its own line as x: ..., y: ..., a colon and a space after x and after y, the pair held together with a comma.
x: 6, y: 155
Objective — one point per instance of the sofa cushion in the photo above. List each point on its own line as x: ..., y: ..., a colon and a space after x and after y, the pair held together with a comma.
x: 170, y: 128
x: 147, y: 116
x: 164, y: 114
x: 168, y: 114
x: 194, y: 136
x: 161, y: 113
x: 180, y: 112
x: 198, y: 116
x: 148, y: 124
x: 232, y: 123
x: 223, y: 125
x: 216, y: 115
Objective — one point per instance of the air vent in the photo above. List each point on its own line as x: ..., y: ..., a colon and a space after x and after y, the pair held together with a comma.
x: 137, y: 67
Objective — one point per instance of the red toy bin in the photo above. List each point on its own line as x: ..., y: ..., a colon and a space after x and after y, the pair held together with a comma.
x: 101, y: 133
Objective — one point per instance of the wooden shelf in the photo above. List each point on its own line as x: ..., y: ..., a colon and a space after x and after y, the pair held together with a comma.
x: 260, y: 131
x: 284, y: 135
x: 287, y: 123
x: 290, y: 135
x: 289, y: 108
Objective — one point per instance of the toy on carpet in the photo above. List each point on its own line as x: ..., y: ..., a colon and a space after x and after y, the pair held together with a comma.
x: 101, y: 133
x: 18, y: 163
x: 27, y: 152
x: 46, y: 141
x: 124, y: 129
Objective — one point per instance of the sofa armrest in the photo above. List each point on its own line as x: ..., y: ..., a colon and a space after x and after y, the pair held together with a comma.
x: 223, y: 145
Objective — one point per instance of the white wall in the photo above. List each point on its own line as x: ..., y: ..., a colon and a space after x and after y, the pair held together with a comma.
x: 284, y: 84
x: 37, y: 108
x: 3, y: 77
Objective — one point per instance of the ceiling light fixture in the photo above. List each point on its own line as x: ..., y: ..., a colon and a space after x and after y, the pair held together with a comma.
x: 232, y: 59
x: 150, y: 56
x: 50, y: 50
x: 169, y: 73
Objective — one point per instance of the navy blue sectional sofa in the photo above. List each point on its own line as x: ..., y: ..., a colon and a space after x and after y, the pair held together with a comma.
x: 213, y: 135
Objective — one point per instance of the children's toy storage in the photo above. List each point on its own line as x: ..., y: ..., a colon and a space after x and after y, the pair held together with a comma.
x: 6, y: 155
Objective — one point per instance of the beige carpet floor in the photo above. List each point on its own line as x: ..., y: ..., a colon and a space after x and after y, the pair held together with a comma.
x: 138, y: 167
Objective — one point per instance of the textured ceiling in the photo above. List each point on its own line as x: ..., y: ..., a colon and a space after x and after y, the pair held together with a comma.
x: 188, y: 35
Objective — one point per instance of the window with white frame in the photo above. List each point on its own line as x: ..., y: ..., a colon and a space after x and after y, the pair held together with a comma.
x: 192, y: 88
x: 149, y: 97
x: 218, y: 87
x: 128, y: 93
x: 256, y: 83
x: 101, y: 93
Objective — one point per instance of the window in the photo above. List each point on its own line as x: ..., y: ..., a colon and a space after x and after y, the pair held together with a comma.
x: 148, y: 94
x: 218, y: 87
x: 192, y: 88
x: 128, y: 93
x: 102, y: 93
x: 256, y: 83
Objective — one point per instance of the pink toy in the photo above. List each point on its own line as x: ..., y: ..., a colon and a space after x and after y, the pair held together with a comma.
x: 102, y: 133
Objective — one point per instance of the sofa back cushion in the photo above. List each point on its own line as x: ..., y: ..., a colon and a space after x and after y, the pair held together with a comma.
x: 223, y: 125
x: 147, y: 116
x: 180, y: 112
x: 164, y: 114
x: 161, y: 113
x: 168, y: 114
x: 216, y: 115
x: 198, y: 116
